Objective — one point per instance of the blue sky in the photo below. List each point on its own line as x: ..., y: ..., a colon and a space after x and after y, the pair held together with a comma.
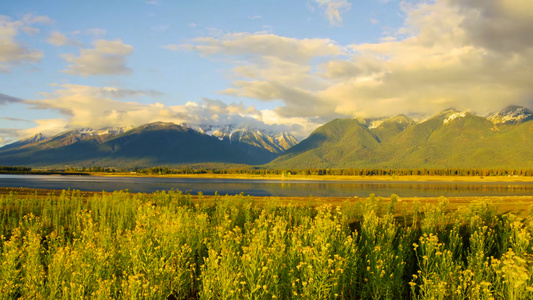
x: 285, y: 65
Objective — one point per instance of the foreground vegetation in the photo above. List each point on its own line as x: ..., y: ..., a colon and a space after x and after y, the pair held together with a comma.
x: 167, y: 246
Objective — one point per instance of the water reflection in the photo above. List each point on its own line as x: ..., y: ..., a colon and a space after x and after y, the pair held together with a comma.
x: 269, y: 187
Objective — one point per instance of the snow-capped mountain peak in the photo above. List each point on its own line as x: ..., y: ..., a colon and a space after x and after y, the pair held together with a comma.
x: 273, y: 141
x: 512, y: 114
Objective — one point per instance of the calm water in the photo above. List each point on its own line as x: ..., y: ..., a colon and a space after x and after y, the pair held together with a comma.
x: 267, y: 187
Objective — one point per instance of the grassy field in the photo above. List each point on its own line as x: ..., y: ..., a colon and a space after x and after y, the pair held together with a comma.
x: 518, y: 205
x: 75, y: 245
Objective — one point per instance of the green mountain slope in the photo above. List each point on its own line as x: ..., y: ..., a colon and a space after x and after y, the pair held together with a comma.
x: 391, y: 127
x: 338, y: 141
x: 450, y: 139
x: 446, y: 140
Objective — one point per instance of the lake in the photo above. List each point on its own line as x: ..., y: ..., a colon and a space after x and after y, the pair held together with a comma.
x: 281, y: 188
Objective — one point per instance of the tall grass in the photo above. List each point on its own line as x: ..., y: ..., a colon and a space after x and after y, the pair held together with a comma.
x: 167, y: 246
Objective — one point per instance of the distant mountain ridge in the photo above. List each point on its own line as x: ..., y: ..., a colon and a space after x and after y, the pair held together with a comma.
x: 450, y: 139
x: 155, y: 143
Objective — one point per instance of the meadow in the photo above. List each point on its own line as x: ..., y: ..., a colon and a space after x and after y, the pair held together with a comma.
x: 168, y: 245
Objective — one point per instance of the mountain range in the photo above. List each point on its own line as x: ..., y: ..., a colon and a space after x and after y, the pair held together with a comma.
x: 152, y: 144
x: 450, y: 139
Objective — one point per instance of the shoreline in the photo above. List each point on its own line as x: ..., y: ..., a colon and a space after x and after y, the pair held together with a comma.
x: 384, y: 178
x: 298, y: 177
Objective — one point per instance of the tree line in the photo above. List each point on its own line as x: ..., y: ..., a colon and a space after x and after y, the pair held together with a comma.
x: 14, y: 169
x: 311, y: 171
x: 168, y: 170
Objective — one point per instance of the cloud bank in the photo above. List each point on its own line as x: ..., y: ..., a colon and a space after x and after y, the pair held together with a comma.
x: 444, y: 56
x: 471, y: 55
x: 95, y: 107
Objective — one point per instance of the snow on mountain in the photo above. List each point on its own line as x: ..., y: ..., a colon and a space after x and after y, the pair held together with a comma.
x: 36, y: 138
x: 87, y: 132
x: 375, y: 123
x: 275, y: 142
x: 454, y: 116
x: 286, y: 140
x: 215, y: 130
x: 512, y: 114
x: 399, y: 119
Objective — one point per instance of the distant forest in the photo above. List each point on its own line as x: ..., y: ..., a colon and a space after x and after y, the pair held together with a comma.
x: 286, y: 172
x: 335, y: 172
x: 14, y: 169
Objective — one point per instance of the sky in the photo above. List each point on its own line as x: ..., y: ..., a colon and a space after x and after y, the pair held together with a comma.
x: 288, y: 65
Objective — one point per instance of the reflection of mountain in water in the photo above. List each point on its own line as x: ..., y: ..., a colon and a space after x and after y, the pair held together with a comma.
x: 403, y: 189
x: 268, y: 187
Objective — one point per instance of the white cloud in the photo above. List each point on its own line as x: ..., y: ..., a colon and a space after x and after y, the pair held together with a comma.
x: 106, y: 58
x: 261, y: 45
x: 56, y: 38
x: 86, y: 106
x: 13, y: 52
x: 47, y: 127
x: 298, y: 126
x: 334, y: 9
